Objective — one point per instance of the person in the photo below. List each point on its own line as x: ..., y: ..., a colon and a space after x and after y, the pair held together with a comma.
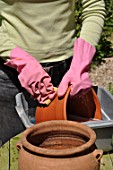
x: 39, y: 50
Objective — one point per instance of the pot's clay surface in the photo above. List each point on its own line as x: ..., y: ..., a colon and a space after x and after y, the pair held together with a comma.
x: 55, y: 111
x: 58, y: 145
x: 81, y: 106
x: 84, y: 106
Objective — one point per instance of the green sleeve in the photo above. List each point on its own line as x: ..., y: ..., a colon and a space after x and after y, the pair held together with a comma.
x: 93, y: 16
x: 2, y: 5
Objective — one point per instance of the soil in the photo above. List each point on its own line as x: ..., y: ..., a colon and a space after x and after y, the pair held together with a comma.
x: 102, y: 75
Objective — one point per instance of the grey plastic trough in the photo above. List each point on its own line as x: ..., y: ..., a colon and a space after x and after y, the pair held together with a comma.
x: 103, y: 128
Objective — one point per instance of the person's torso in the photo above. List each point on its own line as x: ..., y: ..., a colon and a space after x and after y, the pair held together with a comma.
x: 44, y: 28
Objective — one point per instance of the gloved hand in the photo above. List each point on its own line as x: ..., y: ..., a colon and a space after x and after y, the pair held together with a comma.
x: 32, y: 76
x: 77, y: 76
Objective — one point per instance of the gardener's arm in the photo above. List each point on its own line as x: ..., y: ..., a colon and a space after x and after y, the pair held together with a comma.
x: 93, y: 20
x: 84, y: 48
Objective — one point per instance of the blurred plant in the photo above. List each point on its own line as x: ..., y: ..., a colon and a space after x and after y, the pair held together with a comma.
x: 0, y: 20
x: 105, y: 46
x: 110, y: 88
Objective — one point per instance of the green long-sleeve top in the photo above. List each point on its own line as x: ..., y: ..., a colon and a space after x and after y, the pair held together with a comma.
x: 46, y: 28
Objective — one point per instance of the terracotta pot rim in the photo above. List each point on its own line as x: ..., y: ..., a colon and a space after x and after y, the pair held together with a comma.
x: 56, y: 124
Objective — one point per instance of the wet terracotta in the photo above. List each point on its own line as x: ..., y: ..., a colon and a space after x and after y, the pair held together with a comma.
x: 55, y: 111
x: 85, y: 106
x: 82, y: 106
x: 58, y: 145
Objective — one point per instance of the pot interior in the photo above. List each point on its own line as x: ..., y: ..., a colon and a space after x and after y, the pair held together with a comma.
x: 57, y: 139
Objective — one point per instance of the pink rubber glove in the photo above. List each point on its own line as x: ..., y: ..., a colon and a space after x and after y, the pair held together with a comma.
x: 77, y: 76
x: 32, y: 76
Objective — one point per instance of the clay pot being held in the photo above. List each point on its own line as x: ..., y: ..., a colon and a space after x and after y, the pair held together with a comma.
x: 55, y: 111
x: 58, y: 145
x: 82, y: 107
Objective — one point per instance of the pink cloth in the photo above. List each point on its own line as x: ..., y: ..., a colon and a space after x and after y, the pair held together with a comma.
x: 77, y: 76
x: 31, y: 75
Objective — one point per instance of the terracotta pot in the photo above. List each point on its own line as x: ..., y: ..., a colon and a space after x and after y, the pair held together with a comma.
x: 55, y: 111
x: 58, y: 145
x: 83, y: 106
